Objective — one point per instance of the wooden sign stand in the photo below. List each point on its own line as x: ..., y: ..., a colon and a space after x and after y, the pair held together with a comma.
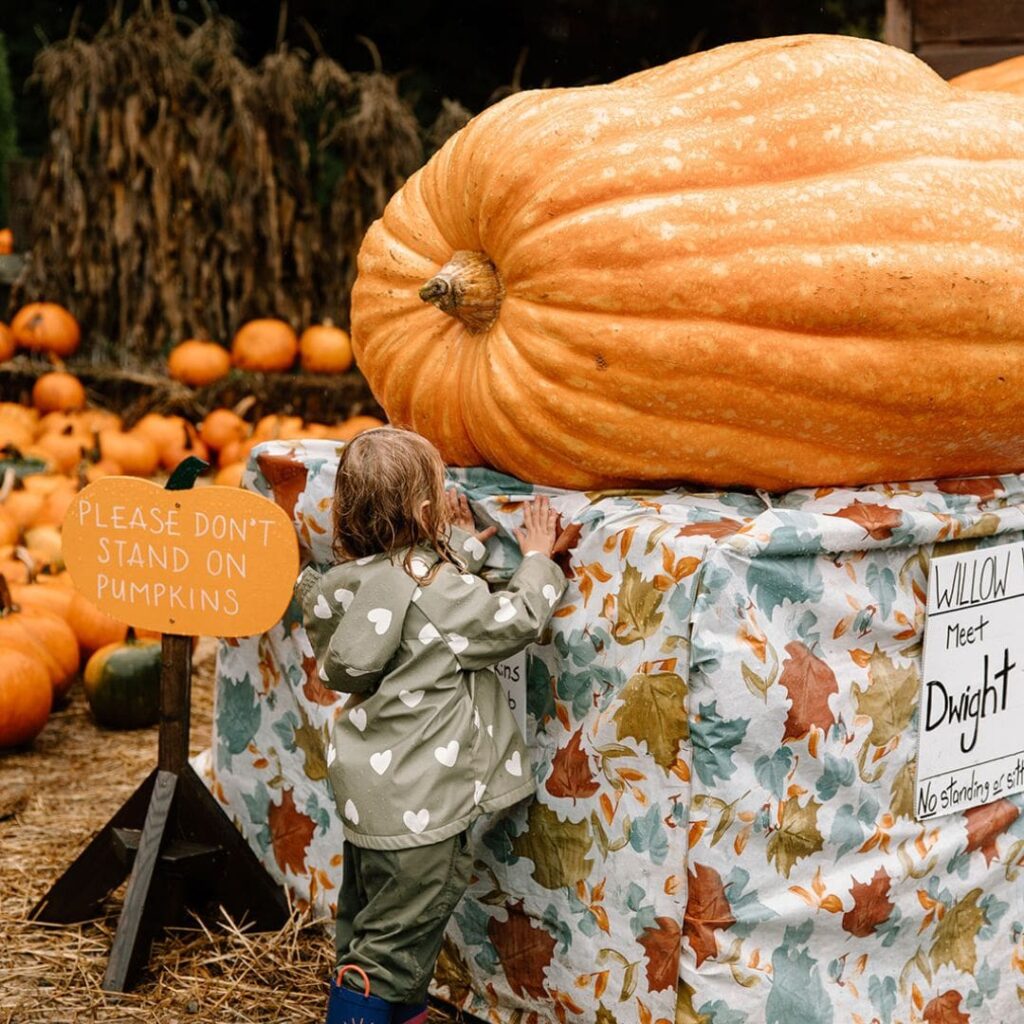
x: 171, y: 838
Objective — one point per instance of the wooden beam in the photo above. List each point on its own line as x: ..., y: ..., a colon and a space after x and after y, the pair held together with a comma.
x: 899, y: 24
x: 954, y: 60
x: 957, y: 21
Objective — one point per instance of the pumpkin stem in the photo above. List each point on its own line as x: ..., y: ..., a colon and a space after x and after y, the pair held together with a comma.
x: 469, y: 288
x: 184, y: 476
x: 6, y: 601
x: 129, y: 637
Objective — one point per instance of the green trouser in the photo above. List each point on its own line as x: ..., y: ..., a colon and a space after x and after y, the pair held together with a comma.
x: 393, y: 908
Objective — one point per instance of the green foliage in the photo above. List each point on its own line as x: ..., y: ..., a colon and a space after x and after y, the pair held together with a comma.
x: 8, y: 132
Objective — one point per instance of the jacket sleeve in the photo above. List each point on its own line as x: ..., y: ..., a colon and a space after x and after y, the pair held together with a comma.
x: 471, y: 551
x: 356, y: 633
x: 482, y: 628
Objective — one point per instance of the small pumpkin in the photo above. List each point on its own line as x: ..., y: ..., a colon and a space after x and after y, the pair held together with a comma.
x: 325, y: 348
x: 64, y: 448
x: 46, y: 327
x: 8, y: 346
x: 134, y: 452
x: 6, y: 241
x: 198, y: 363
x: 43, y: 635
x: 93, y: 629
x: 230, y: 475
x: 44, y: 545
x: 355, y: 425
x: 58, y: 392
x: 39, y: 593
x: 265, y: 346
x: 734, y: 269
x: 185, y: 442
x: 26, y: 698
x: 122, y: 683
x: 221, y: 427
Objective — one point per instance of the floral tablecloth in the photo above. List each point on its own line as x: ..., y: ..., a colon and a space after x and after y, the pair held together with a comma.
x: 723, y: 730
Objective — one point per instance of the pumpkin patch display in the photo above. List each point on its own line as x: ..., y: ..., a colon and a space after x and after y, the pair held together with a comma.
x: 780, y: 263
x: 46, y: 327
x: 8, y: 346
x: 122, y: 683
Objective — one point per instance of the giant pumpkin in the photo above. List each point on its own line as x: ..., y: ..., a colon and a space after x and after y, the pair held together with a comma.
x: 783, y: 262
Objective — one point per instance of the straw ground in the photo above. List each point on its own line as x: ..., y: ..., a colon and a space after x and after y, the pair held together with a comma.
x: 53, y: 798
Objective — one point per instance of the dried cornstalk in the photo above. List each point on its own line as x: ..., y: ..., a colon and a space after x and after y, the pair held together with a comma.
x: 185, y: 191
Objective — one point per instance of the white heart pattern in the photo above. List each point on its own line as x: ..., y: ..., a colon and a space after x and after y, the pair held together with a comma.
x: 514, y: 765
x: 343, y: 597
x: 351, y: 813
x: 365, y: 560
x: 473, y: 547
x: 380, y: 762
x: 447, y: 755
x: 381, y: 619
x: 322, y: 610
x: 416, y: 822
x: 550, y: 593
x: 357, y: 716
x: 322, y: 673
x: 476, y: 718
x: 457, y: 643
x: 490, y: 731
x: 478, y: 791
x: 467, y: 578
x: 506, y: 610
x: 429, y: 633
x: 419, y: 568
x: 417, y: 593
x: 332, y: 754
x: 410, y: 698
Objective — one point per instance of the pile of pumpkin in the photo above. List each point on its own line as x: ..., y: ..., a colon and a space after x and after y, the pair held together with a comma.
x: 47, y: 629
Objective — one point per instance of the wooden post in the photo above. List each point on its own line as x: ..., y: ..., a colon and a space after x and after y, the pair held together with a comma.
x: 175, y: 702
x: 899, y: 24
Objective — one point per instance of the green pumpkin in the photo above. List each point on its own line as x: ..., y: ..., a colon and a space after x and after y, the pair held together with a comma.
x: 122, y: 683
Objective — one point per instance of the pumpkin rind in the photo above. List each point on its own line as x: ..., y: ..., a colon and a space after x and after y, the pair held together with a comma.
x: 58, y: 392
x: 780, y: 263
x: 122, y: 684
x: 266, y: 345
x: 198, y: 363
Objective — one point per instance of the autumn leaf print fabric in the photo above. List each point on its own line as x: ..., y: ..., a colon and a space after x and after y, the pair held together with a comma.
x: 721, y: 725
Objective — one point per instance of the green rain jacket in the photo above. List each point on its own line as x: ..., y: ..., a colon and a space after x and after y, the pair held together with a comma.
x: 433, y: 744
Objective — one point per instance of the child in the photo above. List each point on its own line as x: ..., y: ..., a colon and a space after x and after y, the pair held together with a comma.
x: 427, y: 743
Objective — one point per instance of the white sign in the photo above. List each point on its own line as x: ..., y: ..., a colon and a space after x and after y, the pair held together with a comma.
x: 511, y: 675
x: 972, y: 685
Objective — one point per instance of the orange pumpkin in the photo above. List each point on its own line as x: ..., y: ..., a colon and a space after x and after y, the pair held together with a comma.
x: 134, y: 452
x: 264, y: 346
x: 46, y: 327
x: 198, y: 363
x: 26, y: 697
x: 64, y: 448
x: 325, y: 348
x: 184, y: 443
x: 8, y: 346
x: 42, y: 635
x: 1006, y: 76
x: 58, y: 392
x: 93, y: 628
x: 733, y: 269
x: 6, y: 241
x: 231, y: 475
x: 42, y: 595
x: 221, y: 427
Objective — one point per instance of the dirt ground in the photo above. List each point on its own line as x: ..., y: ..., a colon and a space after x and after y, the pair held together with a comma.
x: 53, y: 798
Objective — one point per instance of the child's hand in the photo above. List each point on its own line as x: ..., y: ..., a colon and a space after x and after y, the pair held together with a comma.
x: 540, y: 524
x: 458, y: 508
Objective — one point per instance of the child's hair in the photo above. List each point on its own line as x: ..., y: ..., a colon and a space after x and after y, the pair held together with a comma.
x: 389, y: 494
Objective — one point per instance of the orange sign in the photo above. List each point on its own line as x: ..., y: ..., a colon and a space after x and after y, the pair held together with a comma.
x: 217, y: 561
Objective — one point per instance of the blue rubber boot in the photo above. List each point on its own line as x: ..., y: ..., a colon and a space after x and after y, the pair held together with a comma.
x: 347, y: 1006
x: 409, y: 1013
